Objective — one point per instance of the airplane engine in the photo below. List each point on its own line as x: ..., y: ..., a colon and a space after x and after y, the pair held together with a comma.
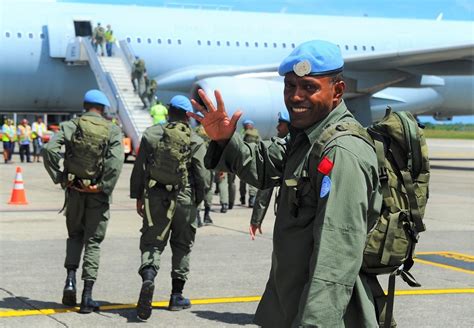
x: 259, y: 99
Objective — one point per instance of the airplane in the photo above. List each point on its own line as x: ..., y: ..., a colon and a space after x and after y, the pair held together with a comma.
x: 424, y: 66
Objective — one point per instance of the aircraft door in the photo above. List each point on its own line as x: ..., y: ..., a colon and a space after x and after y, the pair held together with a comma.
x: 60, y: 32
x: 82, y: 28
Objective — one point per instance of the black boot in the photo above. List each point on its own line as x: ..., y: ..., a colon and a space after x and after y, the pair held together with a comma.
x: 242, y: 200
x: 231, y: 205
x: 198, y: 219
x: 207, y: 217
x: 145, y: 299
x: 177, y: 301
x: 88, y: 305
x: 69, y: 291
x: 224, y: 208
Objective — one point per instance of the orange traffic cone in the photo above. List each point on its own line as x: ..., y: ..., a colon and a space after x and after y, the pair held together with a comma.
x: 18, y: 192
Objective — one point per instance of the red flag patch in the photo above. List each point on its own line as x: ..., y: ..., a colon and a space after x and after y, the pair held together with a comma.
x: 325, y: 166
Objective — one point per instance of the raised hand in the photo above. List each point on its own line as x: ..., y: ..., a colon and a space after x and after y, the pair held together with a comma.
x: 216, y: 122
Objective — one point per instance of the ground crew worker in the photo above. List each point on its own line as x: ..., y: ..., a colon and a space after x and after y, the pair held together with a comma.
x: 38, y: 130
x: 13, y: 138
x: 7, y: 138
x: 263, y: 197
x: 109, y: 40
x: 168, y: 212
x: 24, y: 140
x: 98, y: 39
x: 87, y: 201
x: 250, y: 134
x: 159, y: 113
x: 326, y: 204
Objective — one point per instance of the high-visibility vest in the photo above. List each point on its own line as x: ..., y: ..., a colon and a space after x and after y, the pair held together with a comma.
x: 24, y: 134
x: 38, y: 130
x: 6, y: 132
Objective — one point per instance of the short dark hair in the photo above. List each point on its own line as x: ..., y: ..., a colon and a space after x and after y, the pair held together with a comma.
x: 88, y: 105
x: 338, y: 77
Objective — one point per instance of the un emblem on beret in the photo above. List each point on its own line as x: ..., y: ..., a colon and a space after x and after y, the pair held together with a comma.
x: 302, y: 68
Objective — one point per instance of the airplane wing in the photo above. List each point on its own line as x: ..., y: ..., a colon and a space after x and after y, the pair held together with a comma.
x: 447, y: 60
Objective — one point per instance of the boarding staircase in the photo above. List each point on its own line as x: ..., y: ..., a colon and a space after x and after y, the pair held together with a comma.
x: 113, y: 78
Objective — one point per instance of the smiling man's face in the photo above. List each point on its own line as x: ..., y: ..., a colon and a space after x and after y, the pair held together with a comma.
x: 309, y: 99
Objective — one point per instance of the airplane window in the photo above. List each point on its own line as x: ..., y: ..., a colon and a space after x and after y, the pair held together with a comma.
x: 208, y: 42
x: 237, y: 43
x: 159, y: 41
x: 355, y: 47
x: 347, y: 47
x: 169, y: 41
x: 179, y: 41
x: 218, y: 43
x: 246, y: 44
x: 293, y: 45
x: 42, y: 35
x: 228, y: 43
x: 129, y: 40
x: 149, y: 40
x: 373, y: 48
x: 139, y: 40
x: 274, y: 45
x: 363, y: 48
x: 284, y: 45
x: 30, y: 35
x: 18, y: 35
x: 265, y: 45
x: 7, y: 34
x: 256, y: 44
x: 199, y: 42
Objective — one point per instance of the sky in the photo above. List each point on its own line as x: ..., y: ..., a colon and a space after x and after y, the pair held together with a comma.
x: 416, y: 9
x: 422, y: 9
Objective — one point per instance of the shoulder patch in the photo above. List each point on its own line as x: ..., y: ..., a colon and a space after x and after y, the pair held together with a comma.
x: 325, y: 187
x: 325, y: 166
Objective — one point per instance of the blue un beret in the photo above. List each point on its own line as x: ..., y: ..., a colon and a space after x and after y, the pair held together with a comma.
x: 284, y: 117
x: 181, y: 102
x: 315, y: 57
x: 96, y: 97
x: 247, y: 121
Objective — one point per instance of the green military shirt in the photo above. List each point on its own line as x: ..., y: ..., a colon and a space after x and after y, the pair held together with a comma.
x: 320, y: 227
x: 113, y: 161
x: 197, y: 173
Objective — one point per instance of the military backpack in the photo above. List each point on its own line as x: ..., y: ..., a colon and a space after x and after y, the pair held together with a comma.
x: 100, y: 34
x: 85, y: 154
x: 404, y: 172
x: 170, y: 156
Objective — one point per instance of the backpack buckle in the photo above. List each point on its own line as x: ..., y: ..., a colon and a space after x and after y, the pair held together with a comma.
x: 383, y: 175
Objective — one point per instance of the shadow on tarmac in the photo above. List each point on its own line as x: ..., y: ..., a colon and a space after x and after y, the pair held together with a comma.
x: 131, y: 314
x: 226, y: 317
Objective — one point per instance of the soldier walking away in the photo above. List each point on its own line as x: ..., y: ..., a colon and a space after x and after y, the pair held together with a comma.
x: 24, y: 140
x: 329, y: 198
x: 138, y: 77
x: 38, y: 130
x: 98, y: 39
x: 92, y: 164
x: 168, y: 183
x: 263, y: 197
x: 251, y: 135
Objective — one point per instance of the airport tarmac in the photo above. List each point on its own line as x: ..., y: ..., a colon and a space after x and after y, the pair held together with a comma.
x: 229, y: 271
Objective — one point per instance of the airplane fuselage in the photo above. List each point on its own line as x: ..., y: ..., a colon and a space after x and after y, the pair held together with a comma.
x: 34, y: 37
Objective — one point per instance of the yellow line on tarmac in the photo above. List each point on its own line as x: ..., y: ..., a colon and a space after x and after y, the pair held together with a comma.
x: 471, y: 257
x: 221, y: 300
x: 444, y: 266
